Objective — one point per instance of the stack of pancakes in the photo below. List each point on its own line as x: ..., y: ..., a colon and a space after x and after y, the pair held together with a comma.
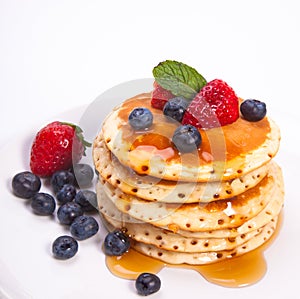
x: 218, y: 202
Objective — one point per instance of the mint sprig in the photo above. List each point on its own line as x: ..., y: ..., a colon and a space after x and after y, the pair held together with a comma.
x: 179, y: 78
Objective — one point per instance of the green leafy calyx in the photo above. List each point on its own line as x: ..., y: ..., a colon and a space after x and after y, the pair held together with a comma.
x: 79, y: 134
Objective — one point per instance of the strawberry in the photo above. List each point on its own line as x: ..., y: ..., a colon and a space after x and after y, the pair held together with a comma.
x: 56, y: 147
x: 160, y: 96
x: 215, y: 105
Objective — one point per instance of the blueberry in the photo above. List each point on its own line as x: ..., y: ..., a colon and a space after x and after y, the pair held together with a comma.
x: 61, y: 178
x: 187, y: 138
x: 43, y: 204
x: 68, y: 212
x: 87, y: 200
x: 66, y: 194
x: 64, y: 247
x: 147, y: 284
x: 84, y: 227
x: 25, y: 184
x: 84, y: 174
x: 116, y: 243
x: 253, y: 110
x: 175, y: 108
x: 140, y: 118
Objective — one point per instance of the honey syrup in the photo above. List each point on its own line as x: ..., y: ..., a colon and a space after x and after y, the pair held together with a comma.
x: 222, y: 144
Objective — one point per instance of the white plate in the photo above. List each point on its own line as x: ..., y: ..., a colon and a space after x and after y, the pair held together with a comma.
x: 27, y: 269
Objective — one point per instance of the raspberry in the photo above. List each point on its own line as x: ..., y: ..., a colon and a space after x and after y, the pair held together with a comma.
x: 215, y: 105
x: 160, y: 96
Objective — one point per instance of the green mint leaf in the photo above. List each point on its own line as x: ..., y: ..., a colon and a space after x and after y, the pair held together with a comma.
x: 179, y: 78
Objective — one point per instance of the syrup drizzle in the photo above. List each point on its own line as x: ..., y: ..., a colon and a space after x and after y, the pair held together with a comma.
x: 240, y: 271
x: 224, y: 144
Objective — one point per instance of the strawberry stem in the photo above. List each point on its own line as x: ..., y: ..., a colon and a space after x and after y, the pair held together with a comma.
x: 79, y: 134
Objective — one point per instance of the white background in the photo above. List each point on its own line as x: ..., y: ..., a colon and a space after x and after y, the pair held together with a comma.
x: 59, y: 55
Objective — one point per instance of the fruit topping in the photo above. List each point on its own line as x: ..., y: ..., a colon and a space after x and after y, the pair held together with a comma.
x: 116, y: 243
x: 61, y: 178
x: 56, y: 147
x: 84, y: 174
x: 253, y: 110
x: 68, y: 212
x: 84, y: 227
x: 87, y: 200
x: 187, y: 138
x: 175, y: 108
x: 147, y: 284
x: 25, y: 184
x: 43, y: 204
x: 160, y: 96
x: 140, y: 118
x: 66, y: 194
x: 215, y: 105
x: 64, y: 247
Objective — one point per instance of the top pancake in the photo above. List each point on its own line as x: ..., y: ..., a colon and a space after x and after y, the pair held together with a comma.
x: 225, y: 153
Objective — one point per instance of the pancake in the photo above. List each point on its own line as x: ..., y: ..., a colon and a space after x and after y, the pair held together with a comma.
x: 218, y: 202
x: 216, y: 215
x: 201, y: 258
x: 165, y: 239
x: 265, y: 216
x: 268, y: 214
x: 225, y: 153
x: 155, y: 189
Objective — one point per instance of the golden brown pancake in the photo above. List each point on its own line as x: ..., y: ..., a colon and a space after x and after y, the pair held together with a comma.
x: 156, y: 189
x: 168, y: 240
x: 201, y: 258
x: 225, y: 153
x: 197, y: 216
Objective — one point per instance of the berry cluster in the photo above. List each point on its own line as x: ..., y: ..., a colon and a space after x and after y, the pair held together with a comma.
x: 215, y: 105
x: 73, y: 204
